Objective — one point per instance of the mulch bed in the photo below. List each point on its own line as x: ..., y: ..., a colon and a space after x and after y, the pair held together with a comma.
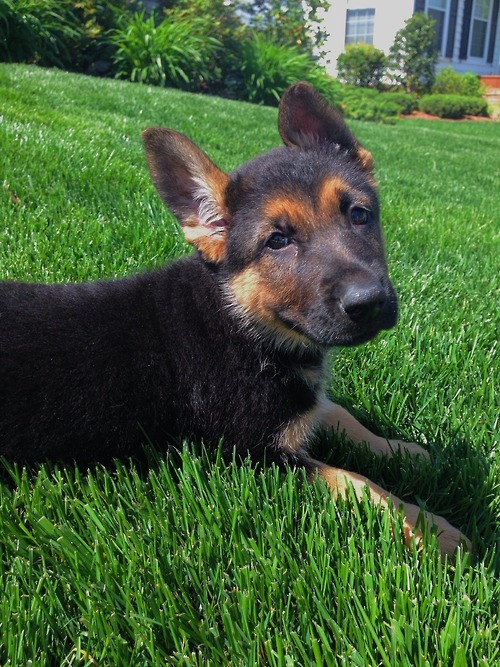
x: 428, y: 116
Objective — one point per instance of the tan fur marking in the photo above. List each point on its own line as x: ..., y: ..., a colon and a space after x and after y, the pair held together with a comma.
x: 298, y: 212
x: 285, y: 333
x: 207, y: 231
x: 218, y: 181
x: 449, y: 538
x: 330, y: 195
x: 341, y: 421
x: 296, y: 434
x: 246, y: 287
x: 252, y: 294
x: 212, y: 247
x: 366, y: 160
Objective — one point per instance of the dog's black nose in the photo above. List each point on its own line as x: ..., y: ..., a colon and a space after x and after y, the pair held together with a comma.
x: 363, y: 303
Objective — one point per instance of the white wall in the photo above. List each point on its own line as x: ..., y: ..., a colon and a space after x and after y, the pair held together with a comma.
x: 390, y: 16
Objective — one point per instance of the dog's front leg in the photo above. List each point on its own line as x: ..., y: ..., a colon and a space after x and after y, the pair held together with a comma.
x: 336, y: 417
x: 449, y: 538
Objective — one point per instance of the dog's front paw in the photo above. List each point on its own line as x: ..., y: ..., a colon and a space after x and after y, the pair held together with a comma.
x: 449, y: 538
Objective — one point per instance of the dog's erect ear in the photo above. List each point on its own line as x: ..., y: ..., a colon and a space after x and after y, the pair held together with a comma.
x: 192, y: 186
x: 306, y: 120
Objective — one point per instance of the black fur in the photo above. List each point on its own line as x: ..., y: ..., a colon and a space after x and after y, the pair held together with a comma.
x: 90, y: 370
x: 93, y: 371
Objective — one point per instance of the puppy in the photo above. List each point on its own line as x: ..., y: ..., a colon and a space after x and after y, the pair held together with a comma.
x: 228, y: 344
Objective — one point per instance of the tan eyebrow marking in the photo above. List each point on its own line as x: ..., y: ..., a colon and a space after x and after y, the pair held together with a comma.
x: 330, y: 195
x: 298, y: 212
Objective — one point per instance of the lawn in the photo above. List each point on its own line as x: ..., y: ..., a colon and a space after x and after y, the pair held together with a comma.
x: 188, y: 561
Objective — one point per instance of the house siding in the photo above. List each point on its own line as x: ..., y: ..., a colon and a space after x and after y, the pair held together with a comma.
x: 391, y: 16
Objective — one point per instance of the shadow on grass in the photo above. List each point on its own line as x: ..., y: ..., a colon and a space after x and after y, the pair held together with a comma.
x: 458, y: 483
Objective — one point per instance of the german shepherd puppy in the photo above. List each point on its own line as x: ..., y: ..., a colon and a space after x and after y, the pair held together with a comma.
x: 227, y: 344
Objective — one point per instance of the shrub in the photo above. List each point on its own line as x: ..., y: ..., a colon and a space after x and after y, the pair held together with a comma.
x: 476, y: 106
x: 405, y: 102
x: 413, y: 55
x: 70, y: 34
x: 41, y: 31
x: 361, y: 65
x: 175, y: 52
x: 453, y: 106
x: 368, y: 104
x: 225, y: 24
x: 268, y: 68
x: 450, y: 82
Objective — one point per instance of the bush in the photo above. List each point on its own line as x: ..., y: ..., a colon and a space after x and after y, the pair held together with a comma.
x: 175, y: 52
x: 368, y: 104
x: 45, y: 32
x: 70, y: 34
x: 453, y: 106
x: 450, y: 82
x: 224, y: 23
x: 413, y: 55
x: 268, y: 68
x: 289, y: 22
x: 405, y: 102
x: 361, y: 65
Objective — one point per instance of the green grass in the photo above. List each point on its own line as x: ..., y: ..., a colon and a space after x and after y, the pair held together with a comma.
x: 196, y: 563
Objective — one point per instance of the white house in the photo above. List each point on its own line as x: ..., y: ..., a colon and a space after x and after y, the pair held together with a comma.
x: 468, y: 31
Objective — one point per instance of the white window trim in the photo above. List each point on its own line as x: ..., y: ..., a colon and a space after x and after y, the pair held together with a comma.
x: 373, y: 24
x: 446, y: 25
x: 475, y: 59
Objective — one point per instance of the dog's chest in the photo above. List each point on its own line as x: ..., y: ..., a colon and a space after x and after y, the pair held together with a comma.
x: 243, y: 394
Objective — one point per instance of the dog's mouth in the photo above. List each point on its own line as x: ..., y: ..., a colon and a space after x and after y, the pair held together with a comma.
x: 328, y: 329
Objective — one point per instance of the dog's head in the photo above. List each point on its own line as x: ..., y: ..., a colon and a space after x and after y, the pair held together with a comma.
x: 295, y: 233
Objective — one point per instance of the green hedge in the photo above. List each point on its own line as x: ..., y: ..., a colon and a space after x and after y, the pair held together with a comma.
x: 453, y: 106
x: 362, y: 65
x: 370, y: 104
x: 268, y: 68
x: 450, y: 82
x: 405, y: 102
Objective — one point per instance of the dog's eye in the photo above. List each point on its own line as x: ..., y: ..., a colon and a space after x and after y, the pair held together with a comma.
x: 278, y: 240
x: 359, y: 215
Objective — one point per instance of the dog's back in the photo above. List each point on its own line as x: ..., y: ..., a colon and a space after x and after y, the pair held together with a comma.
x: 93, y: 371
x: 72, y: 360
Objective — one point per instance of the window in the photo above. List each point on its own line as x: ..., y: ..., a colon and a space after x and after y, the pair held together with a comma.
x: 359, y: 26
x: 479, y: 28
x: 436, y: 9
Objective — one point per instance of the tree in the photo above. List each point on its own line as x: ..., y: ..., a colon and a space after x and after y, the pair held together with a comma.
x: 413, y: 55
x: 361, y: 65
x: 289, y: 22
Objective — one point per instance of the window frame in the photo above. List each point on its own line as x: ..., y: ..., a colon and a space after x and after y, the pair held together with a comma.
x: 370, y: 21
x: 446, y: 23
x: 487, y: 21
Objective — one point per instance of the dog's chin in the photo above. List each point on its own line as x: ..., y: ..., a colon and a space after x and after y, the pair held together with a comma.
x: 342, y: 333
x: 353, y: 339
x: 327, y: 330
